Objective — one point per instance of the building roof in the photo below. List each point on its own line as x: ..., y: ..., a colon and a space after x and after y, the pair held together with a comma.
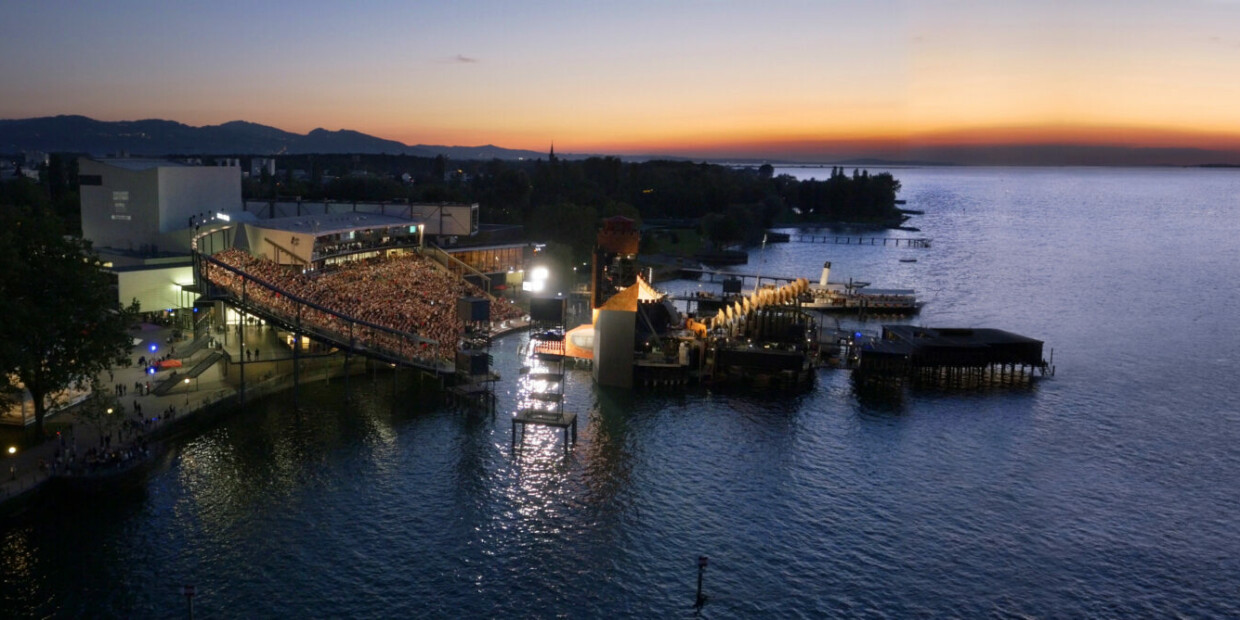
x: 627, y: 299
x: 333, y: 223
x: 138, y: 165
x: 956, y: 336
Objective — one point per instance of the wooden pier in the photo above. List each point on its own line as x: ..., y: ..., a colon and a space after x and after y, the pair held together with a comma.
x: 910, y: 242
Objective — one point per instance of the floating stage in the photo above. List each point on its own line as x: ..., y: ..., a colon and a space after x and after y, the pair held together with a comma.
x: 951, y: 357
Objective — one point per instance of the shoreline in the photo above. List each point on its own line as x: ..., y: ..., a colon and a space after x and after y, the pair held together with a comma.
x: 25, y: 476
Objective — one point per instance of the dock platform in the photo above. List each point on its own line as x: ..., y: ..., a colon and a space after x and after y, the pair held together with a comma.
x: 917, y: 242
x: 952, y: 357
x: 566, y: 420
x: 473, y: 394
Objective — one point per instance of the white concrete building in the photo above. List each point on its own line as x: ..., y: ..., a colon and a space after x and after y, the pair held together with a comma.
x: 140, y: 215
x: 140, y: 205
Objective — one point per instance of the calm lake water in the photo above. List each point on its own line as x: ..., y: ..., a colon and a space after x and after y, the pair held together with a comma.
x: 1106, y: 491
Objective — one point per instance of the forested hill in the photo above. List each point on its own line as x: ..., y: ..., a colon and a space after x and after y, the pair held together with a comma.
x: 79, y: 134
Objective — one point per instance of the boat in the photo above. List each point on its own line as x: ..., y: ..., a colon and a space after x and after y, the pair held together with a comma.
x: 858, y: 297
x: 908, y: 260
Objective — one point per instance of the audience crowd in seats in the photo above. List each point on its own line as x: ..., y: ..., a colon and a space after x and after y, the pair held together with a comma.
x: 407, y: 294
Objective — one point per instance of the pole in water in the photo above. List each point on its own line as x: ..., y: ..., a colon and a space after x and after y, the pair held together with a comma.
x: 188, y: 591
x: 701, y: 600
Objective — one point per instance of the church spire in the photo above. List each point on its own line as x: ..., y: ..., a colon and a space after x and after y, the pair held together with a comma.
x: 552, y: 156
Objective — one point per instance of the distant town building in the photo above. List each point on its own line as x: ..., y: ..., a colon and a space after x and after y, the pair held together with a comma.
x: 260, y: 164
x: 32, y: 160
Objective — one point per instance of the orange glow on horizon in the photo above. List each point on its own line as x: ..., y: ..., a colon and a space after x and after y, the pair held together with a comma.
x: 793, y: 143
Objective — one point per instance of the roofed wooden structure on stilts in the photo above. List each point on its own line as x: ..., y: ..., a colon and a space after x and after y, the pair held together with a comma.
x: 953, y: 357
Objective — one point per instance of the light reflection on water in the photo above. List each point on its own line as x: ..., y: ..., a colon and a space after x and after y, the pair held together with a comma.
x: 1107, y: 491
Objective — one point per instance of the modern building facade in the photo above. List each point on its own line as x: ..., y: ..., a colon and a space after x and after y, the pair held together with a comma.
x: 148, y: 205
x: 140, y: 215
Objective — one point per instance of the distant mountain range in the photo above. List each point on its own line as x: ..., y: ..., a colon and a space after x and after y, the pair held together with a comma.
x: 79, y: 134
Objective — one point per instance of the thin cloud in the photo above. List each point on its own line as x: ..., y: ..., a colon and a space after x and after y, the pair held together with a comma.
x: 461, y: 59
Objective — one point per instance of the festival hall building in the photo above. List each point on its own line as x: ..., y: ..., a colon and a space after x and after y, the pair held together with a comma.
x: 140, y: 215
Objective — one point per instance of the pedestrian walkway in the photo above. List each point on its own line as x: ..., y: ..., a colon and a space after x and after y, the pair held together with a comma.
x: 22, y: 472
x: 30, y: 467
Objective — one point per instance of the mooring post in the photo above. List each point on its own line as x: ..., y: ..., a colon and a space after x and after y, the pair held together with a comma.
x: 241, y: 338
x: 297, y: 349
x: 701, y: 600
x: 188, y: 591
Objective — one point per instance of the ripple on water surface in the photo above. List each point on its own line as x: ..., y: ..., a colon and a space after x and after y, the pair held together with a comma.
x: 1107, y: 491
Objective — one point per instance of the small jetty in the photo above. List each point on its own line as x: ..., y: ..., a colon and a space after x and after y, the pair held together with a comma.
x: 566, y: 420
x: 950, y: 357
x: 908, y: 242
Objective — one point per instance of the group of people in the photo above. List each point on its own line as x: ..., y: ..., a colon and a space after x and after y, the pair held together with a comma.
x: 408, y: 296
x: 67, y: 460
x: 120, y: 389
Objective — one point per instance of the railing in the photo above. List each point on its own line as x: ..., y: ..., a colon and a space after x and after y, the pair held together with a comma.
x: 348, y: 249
x: 460, y: 268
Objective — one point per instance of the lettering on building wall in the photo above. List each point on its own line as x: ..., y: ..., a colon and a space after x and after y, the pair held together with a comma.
x: 120, y: 203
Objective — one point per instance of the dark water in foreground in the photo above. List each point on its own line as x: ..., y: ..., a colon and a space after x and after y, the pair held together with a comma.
x: 1108, y: 491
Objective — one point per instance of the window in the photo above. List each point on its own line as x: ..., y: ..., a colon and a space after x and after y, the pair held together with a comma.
x: 90, y: 179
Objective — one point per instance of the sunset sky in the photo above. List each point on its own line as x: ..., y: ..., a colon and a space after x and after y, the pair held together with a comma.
x: 807, y: 79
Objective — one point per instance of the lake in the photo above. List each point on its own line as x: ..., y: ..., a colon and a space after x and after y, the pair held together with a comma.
x: 1108, y: 490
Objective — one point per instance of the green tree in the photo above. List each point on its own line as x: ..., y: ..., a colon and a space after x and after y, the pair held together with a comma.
x: 60, y: 323
x: 568, y: 224
x: 721, y: 230
x: 101, y: 410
